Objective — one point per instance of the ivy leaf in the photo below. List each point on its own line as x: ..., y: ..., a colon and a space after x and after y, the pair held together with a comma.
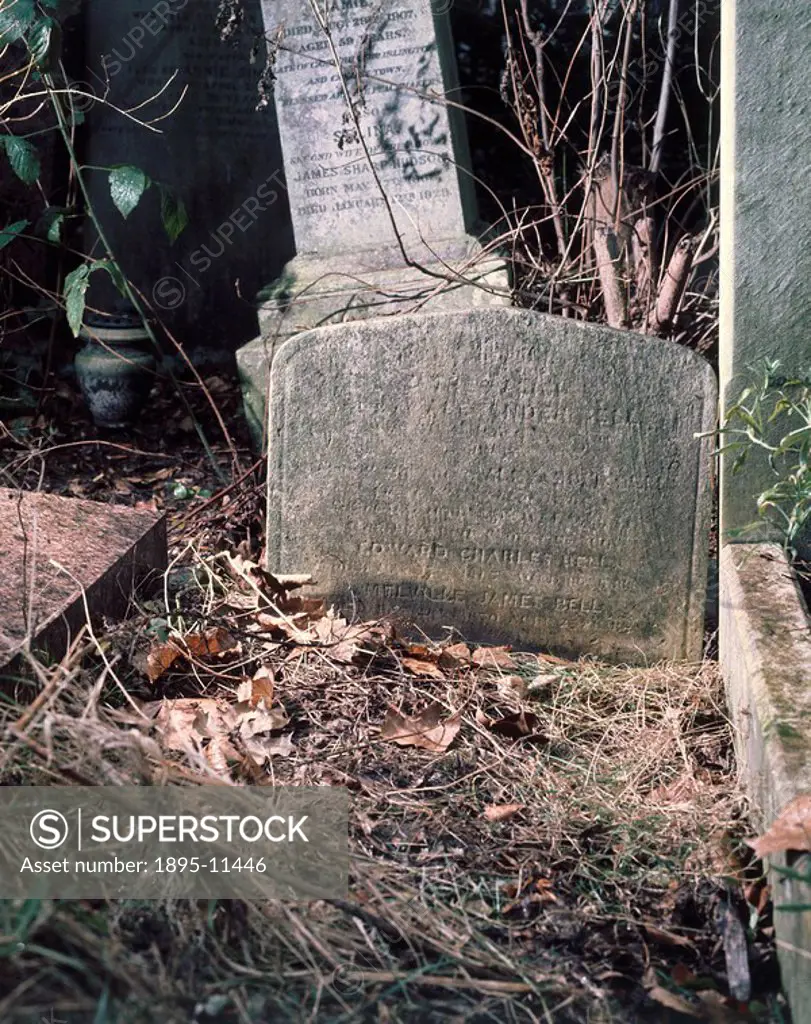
x: 23, y: 157
x: 173, y: 213
x: 52, y: 222
x: 76, y: 284
x: 127, y: 185
x: 45, y: 42
x: 15, y: 19
x: 8, y: 234
x: 114, y: 271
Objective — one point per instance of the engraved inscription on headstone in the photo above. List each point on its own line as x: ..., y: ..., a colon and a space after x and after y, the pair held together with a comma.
x: 401, y: 172
x: 383, y: 56
x: 207, y: 141
x: 521, y: 477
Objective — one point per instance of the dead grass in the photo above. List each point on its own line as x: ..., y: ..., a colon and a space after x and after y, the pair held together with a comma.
x: 588, y: 899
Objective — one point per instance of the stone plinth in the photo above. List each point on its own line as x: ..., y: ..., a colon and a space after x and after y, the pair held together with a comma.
x: 521, y: 477
x: 317, y: 292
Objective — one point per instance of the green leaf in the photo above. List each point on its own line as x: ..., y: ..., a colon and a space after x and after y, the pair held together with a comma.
x: 52, y: 222
x: 740, y: 461
x: 127, y: 185
x: 54, y: 233
x: 45, y: 42
x: 15, y: 18
x: 798, y: 436
x: 23, y: 157
x: 173, y: 213
x: 8, y: 234
x: 76, y: 284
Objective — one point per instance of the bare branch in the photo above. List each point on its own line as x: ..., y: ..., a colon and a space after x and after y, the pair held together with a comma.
x: 667, y: 81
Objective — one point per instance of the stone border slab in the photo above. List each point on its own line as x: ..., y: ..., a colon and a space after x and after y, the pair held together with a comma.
x: 103, y: 550
x: 765, y: 652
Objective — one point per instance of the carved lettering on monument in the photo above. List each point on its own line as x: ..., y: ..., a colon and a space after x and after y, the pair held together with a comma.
x: 383, y: 58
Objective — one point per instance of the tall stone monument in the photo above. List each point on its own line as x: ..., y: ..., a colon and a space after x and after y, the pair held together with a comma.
x: 765, y: 227
x: 377, y: 171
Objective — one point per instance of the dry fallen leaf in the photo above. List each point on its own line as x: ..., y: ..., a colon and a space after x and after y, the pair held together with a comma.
x: 216, y: 640
x: 344, y: 642
x: 423, y: 667
x: 501, y: 812
x: 455, y: 657
x: 521, y: 725
x: 512, y: 686
x: 162, y: 656
x: 791, y: 830
x: 494, y: 657
x: 262, y: 749
x: 425, y: 730
x: 187, y: 721
x: 673, y: 1002
x: 295, y: 627
x: 257, y: 690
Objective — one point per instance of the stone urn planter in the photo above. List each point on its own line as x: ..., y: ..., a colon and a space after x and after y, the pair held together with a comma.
x: 115, y: 369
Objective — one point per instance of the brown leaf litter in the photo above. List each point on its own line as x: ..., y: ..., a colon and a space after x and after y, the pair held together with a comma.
x: 531, y: 838
x: 425, y: 730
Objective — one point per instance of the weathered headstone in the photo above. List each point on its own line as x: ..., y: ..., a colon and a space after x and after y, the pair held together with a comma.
x: 765, y: 228
x: 102, y: 550
x: 207, y: 141
x: 383, y: 208
x: 521, y: 477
